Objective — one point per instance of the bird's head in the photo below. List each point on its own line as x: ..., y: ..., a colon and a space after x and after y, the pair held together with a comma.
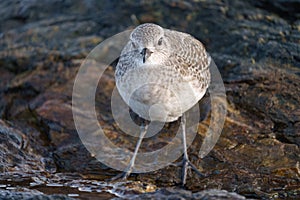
x: 149, y: 40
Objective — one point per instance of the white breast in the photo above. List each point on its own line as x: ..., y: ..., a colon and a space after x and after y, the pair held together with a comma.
x: 158, y: 93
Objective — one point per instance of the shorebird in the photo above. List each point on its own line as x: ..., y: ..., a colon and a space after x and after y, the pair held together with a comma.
x: 161, y: 74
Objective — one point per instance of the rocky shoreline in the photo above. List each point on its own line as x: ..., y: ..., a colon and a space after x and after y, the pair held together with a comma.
x: 256, y: 46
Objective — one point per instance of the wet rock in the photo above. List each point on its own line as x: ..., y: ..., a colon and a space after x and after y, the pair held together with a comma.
x: 287, y: 9
x: 254, y: 44
x: 16, y: 151
x: 6, y: 195
x: 171, y: 193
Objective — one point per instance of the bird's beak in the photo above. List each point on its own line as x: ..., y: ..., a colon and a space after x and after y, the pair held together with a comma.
x: 146, y: 53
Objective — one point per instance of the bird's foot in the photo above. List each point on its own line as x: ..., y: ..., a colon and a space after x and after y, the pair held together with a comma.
x: 186, y: 164
x: 122, y: 176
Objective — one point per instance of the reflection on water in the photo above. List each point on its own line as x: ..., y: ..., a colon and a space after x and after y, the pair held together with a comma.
x: 72, y: 186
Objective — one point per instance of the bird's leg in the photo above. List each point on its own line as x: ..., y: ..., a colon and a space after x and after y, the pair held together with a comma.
x: 185, y: 155
x: 186, y: 162
x: 124, y: 175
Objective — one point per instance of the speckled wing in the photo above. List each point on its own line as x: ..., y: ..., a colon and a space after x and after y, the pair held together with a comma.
x: 127, y: 58
x: 189, y: 57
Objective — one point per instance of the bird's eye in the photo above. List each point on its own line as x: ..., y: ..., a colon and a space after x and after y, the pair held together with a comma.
x: 160, y: 41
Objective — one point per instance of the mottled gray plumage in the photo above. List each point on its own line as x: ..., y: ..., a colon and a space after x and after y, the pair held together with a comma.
x: 161, y: 74
x: 163, y: 67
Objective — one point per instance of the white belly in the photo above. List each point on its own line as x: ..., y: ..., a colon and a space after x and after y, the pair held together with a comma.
x: 158, y: 94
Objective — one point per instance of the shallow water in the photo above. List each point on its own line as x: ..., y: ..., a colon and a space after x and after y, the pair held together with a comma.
x: 71, y: 185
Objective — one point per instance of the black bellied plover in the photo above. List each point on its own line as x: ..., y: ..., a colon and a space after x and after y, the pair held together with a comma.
x: 161, y: 74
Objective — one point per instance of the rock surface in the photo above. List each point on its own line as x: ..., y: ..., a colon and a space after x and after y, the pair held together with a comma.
x: 256, y: 46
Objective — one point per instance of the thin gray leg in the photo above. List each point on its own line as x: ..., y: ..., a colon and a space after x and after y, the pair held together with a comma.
x: 185, y: 155
x: 186, y: 162
x: 129, y: 168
